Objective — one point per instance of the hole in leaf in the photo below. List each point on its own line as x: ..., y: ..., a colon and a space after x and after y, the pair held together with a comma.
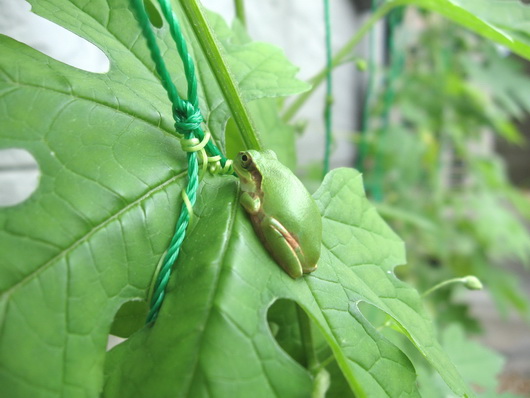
x: 374, y: 315
x: 338, y: 386
x: 18, y: 22
x: 129, y: 318
x: 284, y: 325
x: 380, y: 320
x: 19, y: 176
x: 283, y: 318
x: 113, y: 341
x: 153, y: 14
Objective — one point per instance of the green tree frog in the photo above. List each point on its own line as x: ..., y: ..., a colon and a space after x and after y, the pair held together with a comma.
x: 283, y: 213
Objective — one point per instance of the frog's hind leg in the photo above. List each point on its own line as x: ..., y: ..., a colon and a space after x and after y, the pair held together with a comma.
x: 283, y: 247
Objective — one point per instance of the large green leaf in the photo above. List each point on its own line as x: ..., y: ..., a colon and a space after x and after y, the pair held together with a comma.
x: 92, y: 233
x: 212, y: 338
x: 90, y: 237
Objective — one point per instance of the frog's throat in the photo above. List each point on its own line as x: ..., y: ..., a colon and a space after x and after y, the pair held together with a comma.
x: 252, y: 184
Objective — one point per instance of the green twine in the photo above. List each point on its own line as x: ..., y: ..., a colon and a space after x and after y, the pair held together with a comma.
x: 393, y: 20
x: 375, y: 182
x: 188, y: 121
x: 329, y: 88
x: 240, y: 12
x: 362, y: 147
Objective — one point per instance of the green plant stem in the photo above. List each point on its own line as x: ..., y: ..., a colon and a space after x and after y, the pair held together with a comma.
x: 326, y: 362
x: 229, y: 88
x: 304, y: 323
x: 394, y: 19
x: 440, y: 285
x: 328, y: 107
x: 470, y: 281
x: 362, y: 146
x: 240, y: 11
x: 321, y: 382
x: 340, y: 56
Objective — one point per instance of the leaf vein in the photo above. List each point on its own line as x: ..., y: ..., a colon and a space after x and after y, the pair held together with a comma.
x: 90, y: 233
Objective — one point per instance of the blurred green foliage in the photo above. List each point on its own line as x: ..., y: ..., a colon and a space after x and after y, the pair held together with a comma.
x: 431, y: 154
x: 427, y: 154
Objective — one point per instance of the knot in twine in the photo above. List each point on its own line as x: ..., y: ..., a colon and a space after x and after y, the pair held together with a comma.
x: 188, y: 118
x: 210, y: 163
x: 188, y: 128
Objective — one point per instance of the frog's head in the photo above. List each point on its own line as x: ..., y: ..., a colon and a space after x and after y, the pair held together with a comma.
x: 245, y: 165
x: 248, y: 165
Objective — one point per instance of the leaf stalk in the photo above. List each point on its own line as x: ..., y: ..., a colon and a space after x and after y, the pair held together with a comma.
x: 304, y: 323
x: 212, y: 50
x: 471, y: 282
x: 240, y: 11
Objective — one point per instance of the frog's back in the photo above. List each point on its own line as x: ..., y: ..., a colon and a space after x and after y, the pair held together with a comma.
x: 288, y: 200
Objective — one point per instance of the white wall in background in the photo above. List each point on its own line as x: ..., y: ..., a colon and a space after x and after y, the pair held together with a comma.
x: 297, y: 26
x: 17, y: 21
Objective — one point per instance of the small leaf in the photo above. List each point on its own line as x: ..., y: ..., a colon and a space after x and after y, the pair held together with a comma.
x: 478, y: 365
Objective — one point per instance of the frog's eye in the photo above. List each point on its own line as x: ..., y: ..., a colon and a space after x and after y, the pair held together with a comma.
x: 245, y: 160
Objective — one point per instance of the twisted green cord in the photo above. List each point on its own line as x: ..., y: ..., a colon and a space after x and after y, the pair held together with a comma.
x: 187, y: 62
x: 176, y: 242
x: 184, y: 121
x: 362, y: 147
x: 189, y: 70
x: 393, y: 20
x: 188, y: 120
x: 329, y: 88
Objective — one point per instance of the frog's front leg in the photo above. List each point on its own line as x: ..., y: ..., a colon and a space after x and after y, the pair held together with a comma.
x: 283, y: 247
x: 250, y: 202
